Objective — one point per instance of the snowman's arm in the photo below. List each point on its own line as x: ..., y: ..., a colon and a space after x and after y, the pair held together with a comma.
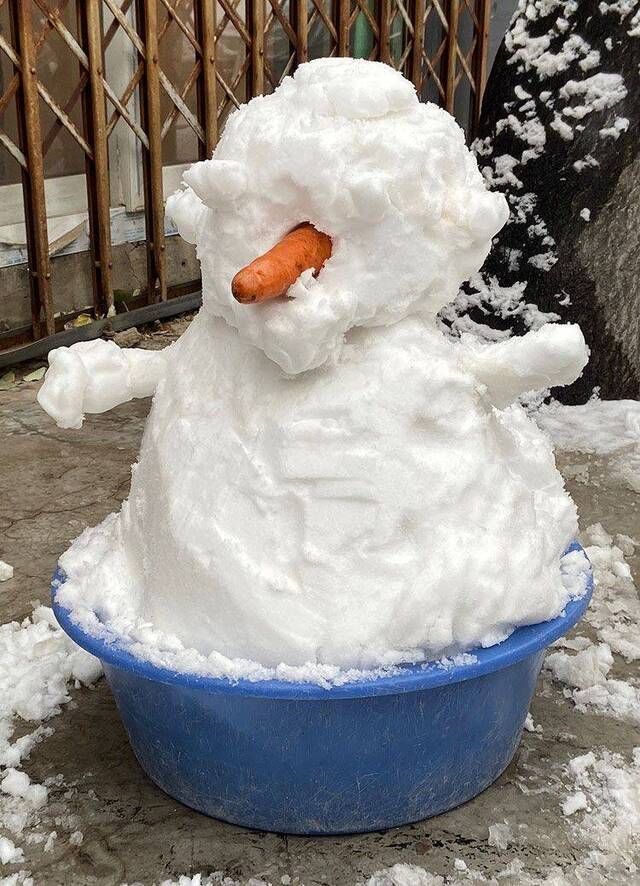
x: 95, y: 376
x: 551, y: 356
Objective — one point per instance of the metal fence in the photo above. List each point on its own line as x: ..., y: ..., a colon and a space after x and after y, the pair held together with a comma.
x: 235, y: 49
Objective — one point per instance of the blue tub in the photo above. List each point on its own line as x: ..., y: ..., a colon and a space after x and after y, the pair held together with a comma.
x: 299, y: 759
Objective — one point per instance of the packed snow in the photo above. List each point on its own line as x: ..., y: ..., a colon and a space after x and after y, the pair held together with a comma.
x: 605, y: 428
x: 95, y: 376
x: 304, y: 523
x: 600, y: 427
x: 346, y: 145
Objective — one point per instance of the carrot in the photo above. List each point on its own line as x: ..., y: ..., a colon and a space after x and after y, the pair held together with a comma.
x: 271, y: 274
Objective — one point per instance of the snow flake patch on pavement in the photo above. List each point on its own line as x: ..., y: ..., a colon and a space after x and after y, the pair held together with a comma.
x: 614, y: 613
x: 217, y: 878
x: 604, y: 805
x: 37, y: 662
x: 600, y: 427
x: 610, y: 825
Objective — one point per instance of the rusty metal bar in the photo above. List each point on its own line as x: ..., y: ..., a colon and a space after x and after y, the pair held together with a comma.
x: 97, y: 167
x: 80, y: 54
x: 44, y: 94
x: 418, y: 44
x: 13, y: 149
x: 278, y: 13
x: 121, y: 111
x: 448, y: 66
x: 30, y: 137
x: 480, y: 61
x: 191, y: 37
x: 15, y: 80
x: 236, y: 21
x: 205, y: 20
x: 255, y: 26
x: 451, y: 55
x: 64, y: 119
x: 180, y: 105
x: 384, y: 15
x: 228, y: 90
x: 9, y: 93
x: 82, y: 82
x: 300, y: 20
x: 147, y: 23
x: 341, y: 14
x: 179, y: 102
x: 119, y: 14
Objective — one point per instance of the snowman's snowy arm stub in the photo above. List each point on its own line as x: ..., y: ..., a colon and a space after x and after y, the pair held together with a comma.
x: 549, y: 357
x: 95, y: 376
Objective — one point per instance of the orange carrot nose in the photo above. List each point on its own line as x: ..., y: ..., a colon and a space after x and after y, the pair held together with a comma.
x: 271, y: 274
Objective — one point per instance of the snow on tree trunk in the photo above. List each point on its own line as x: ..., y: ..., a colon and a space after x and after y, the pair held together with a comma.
x: 560, y: 134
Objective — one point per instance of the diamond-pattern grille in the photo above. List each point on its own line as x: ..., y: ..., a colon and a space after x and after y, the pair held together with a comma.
x: 190, y: 63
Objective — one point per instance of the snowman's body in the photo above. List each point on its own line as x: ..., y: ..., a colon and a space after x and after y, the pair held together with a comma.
x: 326, y: 478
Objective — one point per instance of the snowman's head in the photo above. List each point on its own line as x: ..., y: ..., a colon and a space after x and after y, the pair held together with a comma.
x: 346, y: 145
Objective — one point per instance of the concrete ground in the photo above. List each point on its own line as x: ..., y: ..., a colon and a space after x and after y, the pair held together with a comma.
x: 54, y: 483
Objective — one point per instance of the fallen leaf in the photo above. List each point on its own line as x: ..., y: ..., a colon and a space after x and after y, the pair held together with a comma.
x: 8, y: 380
x: 82, y: 320
x: 36, y: 375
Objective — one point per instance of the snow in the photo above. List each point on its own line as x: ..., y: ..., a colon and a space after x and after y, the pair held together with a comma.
x: 611, y: 787
x: 500, y: 835
x: 536, y: 52
x: 543, y: 260
x: 530, y: 726
x: 21, y: 878
x: 615, y: 608
x: 37, y: 661
x: 588, y: 162
x: 346, y: 145
x: 548, y: 355
x: 586, y: 669
x: 310, y: 422
x: 607, y: 429
x: 95, y: 376
x: 16, y: 783
x: 9, y: 852
x: 404, y: 875
x: 599, y: 426
x: 620, y: 125
x: 596, y: 93
x: 322, y: 525
x: 6, y: 571
x: 614, y: 613
x: 623, y: 9
x: 215, y: 879
x: 544, y: 45
x: 574, y: 803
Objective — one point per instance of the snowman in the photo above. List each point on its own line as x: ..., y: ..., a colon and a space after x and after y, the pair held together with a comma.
x: 325, y: 477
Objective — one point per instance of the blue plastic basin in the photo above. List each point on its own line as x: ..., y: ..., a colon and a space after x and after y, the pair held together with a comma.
x: 296, y: 758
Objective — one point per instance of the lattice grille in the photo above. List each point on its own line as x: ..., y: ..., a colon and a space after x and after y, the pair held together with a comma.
x: 229, y: 51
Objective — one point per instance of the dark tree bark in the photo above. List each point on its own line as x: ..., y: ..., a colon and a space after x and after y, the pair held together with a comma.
x: 575, y: 198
